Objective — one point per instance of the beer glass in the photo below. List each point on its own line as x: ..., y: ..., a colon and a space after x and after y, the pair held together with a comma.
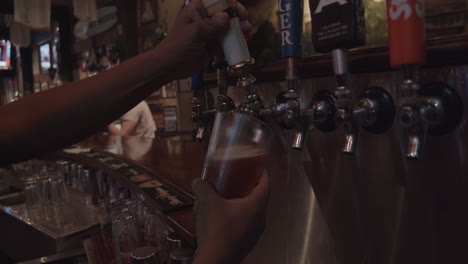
x: 236, y: 154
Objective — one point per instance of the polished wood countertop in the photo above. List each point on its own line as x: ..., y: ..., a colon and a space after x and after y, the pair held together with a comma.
x: 175, y: 161
x: 179, y: 162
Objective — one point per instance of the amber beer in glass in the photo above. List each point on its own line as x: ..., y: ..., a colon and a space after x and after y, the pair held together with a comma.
x: 236, y: 154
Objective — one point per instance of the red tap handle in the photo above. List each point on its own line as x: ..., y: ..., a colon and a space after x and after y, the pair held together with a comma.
x: 406, y: 32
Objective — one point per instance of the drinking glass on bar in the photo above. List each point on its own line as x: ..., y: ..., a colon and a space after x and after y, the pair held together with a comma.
x: 124, y: 229
x: 236, y: 154
x: 33, y: 197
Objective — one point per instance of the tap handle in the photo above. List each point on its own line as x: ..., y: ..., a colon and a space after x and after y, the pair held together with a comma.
x: 196, y: 81
x: 406, y: 32
x: 291, y: 16
x: 337, y: 24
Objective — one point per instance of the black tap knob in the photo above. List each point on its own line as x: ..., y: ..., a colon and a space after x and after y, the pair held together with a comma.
x: 436, y: 109
x: 375, y: 110
x: 322, y: 111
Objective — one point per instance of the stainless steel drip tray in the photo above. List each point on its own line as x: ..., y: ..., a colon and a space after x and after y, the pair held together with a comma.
x: 25, y: 238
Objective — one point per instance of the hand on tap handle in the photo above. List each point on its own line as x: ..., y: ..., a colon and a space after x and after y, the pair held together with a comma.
x: 70, y: 114
x: 197, y: 37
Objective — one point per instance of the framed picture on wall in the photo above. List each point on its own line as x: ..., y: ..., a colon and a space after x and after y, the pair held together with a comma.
x: 184, y: 86
x: 146, y: 11
x: 170, y: 118
x: 44, y: 85
x: 169, y: 90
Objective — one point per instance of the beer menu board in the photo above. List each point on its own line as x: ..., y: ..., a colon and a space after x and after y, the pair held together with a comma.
x: 166, y: 197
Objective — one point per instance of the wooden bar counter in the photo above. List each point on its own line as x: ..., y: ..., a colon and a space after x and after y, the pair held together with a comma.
x: 176, y: 163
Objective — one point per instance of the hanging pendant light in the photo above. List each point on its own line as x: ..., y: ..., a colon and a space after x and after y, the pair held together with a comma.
x: 34, y: 14
x: 85, y: 10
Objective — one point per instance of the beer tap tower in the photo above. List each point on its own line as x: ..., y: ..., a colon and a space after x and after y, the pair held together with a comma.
x: 434, y: 109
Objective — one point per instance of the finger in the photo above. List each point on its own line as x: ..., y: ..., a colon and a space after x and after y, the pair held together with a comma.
x: 247, y: 28
x: 216, y: 25
x: 241, y: 11
x: 261, y: 193
x: 196, y: 11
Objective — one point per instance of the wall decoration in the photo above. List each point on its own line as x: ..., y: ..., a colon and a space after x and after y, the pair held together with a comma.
x: 37, y: 87
x: 169, y: 90
x: 146, y: 11
x: 185, y: 86
x: 170, y: 118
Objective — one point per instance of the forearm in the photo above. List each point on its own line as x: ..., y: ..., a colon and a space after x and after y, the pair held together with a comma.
x: 65, y: 115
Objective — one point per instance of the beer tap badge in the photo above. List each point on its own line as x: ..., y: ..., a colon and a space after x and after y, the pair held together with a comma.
x: 337, y: 24
x: 291, y: 16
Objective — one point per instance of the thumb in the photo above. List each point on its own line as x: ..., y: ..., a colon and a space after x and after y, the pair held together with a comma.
x: 203, y: 190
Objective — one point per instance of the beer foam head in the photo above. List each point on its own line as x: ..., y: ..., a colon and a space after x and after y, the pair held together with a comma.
x: 237, y: 152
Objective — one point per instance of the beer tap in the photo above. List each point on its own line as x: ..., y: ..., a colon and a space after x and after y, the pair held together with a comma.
x: 199, y: 104
x: 434, y: 109
x: 338, y: 26
x: 237, y: 55
x: 288, y: 104
x: 252, y: 104
x: 287, y: 109
x: 223, y: 103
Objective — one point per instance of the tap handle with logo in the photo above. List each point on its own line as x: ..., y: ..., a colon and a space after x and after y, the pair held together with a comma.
x: 196, y: 81
x: 406, y: 31
x: 337, y: 24
x: 291, y: 16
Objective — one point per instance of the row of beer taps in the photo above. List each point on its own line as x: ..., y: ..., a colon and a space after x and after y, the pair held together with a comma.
x: 433, y: 109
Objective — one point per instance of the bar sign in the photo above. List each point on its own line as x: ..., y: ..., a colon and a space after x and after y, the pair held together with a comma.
x: 291, y: 15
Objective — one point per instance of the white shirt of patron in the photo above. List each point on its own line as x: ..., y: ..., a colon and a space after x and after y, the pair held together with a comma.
x: 141, y: 115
